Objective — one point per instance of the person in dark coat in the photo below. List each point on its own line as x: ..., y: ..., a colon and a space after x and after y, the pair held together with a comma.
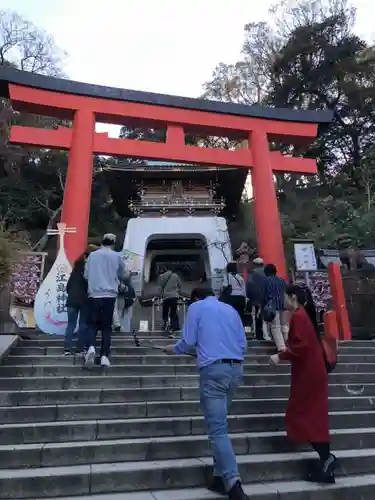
x: 77, y: 306
x: 255, y: 290
x: 274, y: 291
x: 307, y: 413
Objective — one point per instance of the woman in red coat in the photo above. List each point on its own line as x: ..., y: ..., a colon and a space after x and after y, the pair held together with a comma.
x: 307, y: 413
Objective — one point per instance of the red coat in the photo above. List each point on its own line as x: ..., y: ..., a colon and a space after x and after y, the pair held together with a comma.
x: 307, y: 413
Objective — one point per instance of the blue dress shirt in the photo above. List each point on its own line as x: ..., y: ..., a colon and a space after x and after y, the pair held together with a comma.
x: 214, y: 330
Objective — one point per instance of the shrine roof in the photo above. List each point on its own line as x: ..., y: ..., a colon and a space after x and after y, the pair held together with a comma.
x: 124, y: 181
x: 151, y: 167
x: 9, y: 75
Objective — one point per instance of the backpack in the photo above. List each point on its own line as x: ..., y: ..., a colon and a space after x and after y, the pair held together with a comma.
x: 330, y: 351
x: 127, y: 292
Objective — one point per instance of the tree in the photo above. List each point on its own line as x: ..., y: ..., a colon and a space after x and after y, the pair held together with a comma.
x: 308, y: 57
x: 325, y: 65
x: 247, y: 81
x: 27, y: 47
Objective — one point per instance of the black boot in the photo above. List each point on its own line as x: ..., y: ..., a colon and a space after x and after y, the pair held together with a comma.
x: 325, y: 473
x: 217, y: 485
x: 237, y: 493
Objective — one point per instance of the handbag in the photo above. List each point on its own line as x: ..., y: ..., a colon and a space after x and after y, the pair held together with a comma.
x: 330, y: 351
x: 226, y: 292
x: 269, y: 311
x: 126, y: 291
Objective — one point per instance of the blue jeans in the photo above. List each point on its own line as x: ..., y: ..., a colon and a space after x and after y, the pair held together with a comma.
x: 217, y: 384
x: 75, y: 314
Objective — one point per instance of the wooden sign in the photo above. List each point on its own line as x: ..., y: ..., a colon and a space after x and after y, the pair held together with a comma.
x: 50, y: 302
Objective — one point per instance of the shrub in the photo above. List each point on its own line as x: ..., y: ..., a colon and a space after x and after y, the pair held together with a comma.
x: 11, y: 244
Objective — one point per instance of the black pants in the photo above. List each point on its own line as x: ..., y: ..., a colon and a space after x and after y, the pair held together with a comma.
x: 258, y: 323
x: 238, y: 302
x: 170, y: 311
x: 100, y: 318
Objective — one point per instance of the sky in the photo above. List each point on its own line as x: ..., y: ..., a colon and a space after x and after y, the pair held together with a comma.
x: 165, y: 46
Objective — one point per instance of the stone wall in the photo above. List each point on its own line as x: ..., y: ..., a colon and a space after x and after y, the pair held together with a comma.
x: 7, y: 324
x: 320, y: 290
x: 359, y: 287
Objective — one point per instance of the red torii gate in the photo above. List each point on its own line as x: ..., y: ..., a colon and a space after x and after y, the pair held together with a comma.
x: 85, y: 104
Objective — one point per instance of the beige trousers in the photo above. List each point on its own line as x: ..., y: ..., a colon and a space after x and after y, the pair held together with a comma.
x: 280, y: 330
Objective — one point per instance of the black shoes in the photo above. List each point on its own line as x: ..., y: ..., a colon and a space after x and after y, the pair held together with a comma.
x: 325, y: 472
x: 235, y: 493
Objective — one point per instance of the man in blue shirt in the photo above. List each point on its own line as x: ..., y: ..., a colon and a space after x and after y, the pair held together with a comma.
x: 215, y: 332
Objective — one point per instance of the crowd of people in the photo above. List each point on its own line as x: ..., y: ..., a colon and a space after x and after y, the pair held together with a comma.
x: 100, y: 293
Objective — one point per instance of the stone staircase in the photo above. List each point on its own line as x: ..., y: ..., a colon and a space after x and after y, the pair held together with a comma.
x: 144, y: 313
x: 135, y: 431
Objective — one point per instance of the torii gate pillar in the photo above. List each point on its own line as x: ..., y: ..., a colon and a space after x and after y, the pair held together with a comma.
x: 266, y: 211
x: 78, y: 184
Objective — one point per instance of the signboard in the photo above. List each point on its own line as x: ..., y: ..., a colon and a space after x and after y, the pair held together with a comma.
x: 25, y: 279
x: 133, y: 263
x: 143, y: 326
x: 50, y: 310
x: 304, y: 254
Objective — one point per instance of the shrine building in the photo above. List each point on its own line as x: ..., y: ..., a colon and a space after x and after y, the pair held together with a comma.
x: 178, y: 216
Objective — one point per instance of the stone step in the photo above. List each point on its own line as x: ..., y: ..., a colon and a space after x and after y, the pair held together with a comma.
x: 146, y: 429
x: 124, y: 340
x: 98, y: 378
x: 108, y: 395
x: 164, y: 448
x: 39, y: 367
x: 165, y: 474
x: 147, y: 349
x: 50, y: 413
x: 83, y: 430
x: 118, y: 356
x: 129, y: 348
x: 116, y: 335
x: 347, y: 488
x: 158, y: 334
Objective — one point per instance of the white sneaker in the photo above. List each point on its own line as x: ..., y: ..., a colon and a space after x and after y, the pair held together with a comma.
x: 90, y: 356
x: 105, y: 361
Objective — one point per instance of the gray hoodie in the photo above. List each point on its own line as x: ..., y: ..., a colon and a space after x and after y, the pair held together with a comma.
x: 170, y: 285
x: 104, y: 269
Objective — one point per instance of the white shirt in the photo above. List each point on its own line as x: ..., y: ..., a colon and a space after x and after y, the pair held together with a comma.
x: 238, y: 284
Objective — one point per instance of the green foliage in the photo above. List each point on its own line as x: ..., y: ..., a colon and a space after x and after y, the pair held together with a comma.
x: 314, y: 60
